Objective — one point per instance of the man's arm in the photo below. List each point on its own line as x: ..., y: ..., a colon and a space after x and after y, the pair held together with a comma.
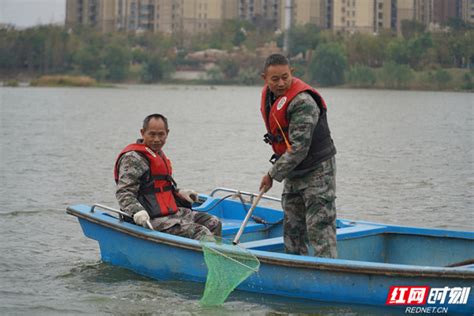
x: 303, y: 113
x: 132, y: 167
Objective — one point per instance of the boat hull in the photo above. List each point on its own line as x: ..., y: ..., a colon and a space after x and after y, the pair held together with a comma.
x: 162, y: 256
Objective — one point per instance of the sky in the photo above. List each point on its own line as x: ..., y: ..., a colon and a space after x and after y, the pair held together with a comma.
x: 27, y: 13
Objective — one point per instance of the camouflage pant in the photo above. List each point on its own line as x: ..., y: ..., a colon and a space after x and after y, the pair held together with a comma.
x: 310, y: 212
x: 188, y: 223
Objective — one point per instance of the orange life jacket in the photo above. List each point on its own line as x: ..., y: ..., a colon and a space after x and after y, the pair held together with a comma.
x: 156, y: 188
x: 277, y: 123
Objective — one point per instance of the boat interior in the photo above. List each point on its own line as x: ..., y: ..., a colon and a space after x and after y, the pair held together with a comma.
x: 360, y: 241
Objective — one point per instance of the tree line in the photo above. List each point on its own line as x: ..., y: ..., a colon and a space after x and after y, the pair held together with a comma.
x: 320, y: 56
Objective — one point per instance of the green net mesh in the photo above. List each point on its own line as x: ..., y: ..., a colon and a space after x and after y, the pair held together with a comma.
x: 228, y: 265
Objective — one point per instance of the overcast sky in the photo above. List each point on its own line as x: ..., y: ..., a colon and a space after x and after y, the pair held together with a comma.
x: 26, y: 13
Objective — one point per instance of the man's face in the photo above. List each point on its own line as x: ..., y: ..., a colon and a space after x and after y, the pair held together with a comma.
x: 278, y: 78
x: 155, y: 134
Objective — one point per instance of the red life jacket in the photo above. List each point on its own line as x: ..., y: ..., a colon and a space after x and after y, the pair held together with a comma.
x: 277, y: 124
x: 156, y: 188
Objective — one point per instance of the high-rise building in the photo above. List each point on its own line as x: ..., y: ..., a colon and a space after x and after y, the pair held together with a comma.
x: 96, y: 13
x: 263, y: 13
x: 433, y: 13
x: 315, y: 12
x: 467, y: 11
x: 191, y: 16
x: 368, y: 16
x: 443, y: 10
x: 169, y: 16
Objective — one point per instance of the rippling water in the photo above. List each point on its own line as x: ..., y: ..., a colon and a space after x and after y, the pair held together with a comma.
x: 403, y: 158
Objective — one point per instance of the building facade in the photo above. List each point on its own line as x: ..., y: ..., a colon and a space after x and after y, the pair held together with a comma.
x: 317, y: 12
x: 192, y: 16
x: 369, y: 16
x: 467, y: 11
x: 96, y: 13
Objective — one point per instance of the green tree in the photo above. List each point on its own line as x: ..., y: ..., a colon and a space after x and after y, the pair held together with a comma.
x: 156, y: 69
x: 229, y: 68
x: 239, y: 37
x: 9, y: 49
x: 89, y: 62
x: 412, y: 51
x: 361, y: 76
x: 117, y: 61
x: 468, y: 83
x: 459, y: 25
x: 215, y: 75
x: 328, y: 64
x: 303, y: 38
x: 411, y: 28
x: 248, y: 76
x: 461, y: 48
x: 440, y: 78
x: 394, y: 75
x: 365, y: 49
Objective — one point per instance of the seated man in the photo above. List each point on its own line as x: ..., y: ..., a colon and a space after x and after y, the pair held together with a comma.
x: 146, y: 189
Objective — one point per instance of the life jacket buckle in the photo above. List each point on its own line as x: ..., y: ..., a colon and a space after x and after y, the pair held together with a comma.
x: 274, y: 158
x: 268, y: 138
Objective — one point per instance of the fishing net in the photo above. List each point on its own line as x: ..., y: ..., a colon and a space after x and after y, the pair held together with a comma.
x: 228, y: 265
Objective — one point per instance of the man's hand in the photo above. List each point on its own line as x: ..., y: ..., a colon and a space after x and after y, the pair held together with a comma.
x: 189, y: 195
x: 140, y: 218
x: 266, y: 183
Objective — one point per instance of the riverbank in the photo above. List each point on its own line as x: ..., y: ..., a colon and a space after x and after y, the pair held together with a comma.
x: 432, y: 80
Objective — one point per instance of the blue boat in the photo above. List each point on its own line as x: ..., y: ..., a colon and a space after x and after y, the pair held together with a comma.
x: 380, y: 265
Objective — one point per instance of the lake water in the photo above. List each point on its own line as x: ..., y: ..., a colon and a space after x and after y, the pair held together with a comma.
x: 403, y: 158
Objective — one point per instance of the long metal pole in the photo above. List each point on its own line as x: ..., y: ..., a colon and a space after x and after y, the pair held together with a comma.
x: 247, y: 217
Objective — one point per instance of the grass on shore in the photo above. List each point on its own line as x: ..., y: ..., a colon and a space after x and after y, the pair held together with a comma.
x: 64, y: 81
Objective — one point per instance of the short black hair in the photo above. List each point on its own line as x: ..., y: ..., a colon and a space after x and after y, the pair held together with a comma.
x: 275, y: 59
x: 154, y: 116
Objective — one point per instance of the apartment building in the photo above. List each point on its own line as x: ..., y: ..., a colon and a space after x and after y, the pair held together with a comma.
x: 191, y: 16
x: 318, y: 12
x: 96, y: 13
x: 433, y: 13
x: 467, y: 10
x: 367, y: 16
x: 263, y: 13
x: 169, y: 16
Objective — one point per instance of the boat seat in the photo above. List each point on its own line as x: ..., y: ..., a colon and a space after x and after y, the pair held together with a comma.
x: 349, y: 232
x: 231, y: 226
x: 264, y: 244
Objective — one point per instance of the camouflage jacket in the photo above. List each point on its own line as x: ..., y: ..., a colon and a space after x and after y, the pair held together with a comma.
x: 303, y: 113
x: 132, y: 167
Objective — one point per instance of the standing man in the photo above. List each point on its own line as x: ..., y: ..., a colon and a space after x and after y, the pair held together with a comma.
x: 304, y: 156
x: 146, y: 189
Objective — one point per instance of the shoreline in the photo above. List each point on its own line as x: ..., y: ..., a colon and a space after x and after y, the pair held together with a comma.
x: 70, y: 81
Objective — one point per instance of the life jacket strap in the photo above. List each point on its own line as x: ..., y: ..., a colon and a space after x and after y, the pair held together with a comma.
x: 166, y: 178
x: 270, y: 138
x: 157, y: 190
